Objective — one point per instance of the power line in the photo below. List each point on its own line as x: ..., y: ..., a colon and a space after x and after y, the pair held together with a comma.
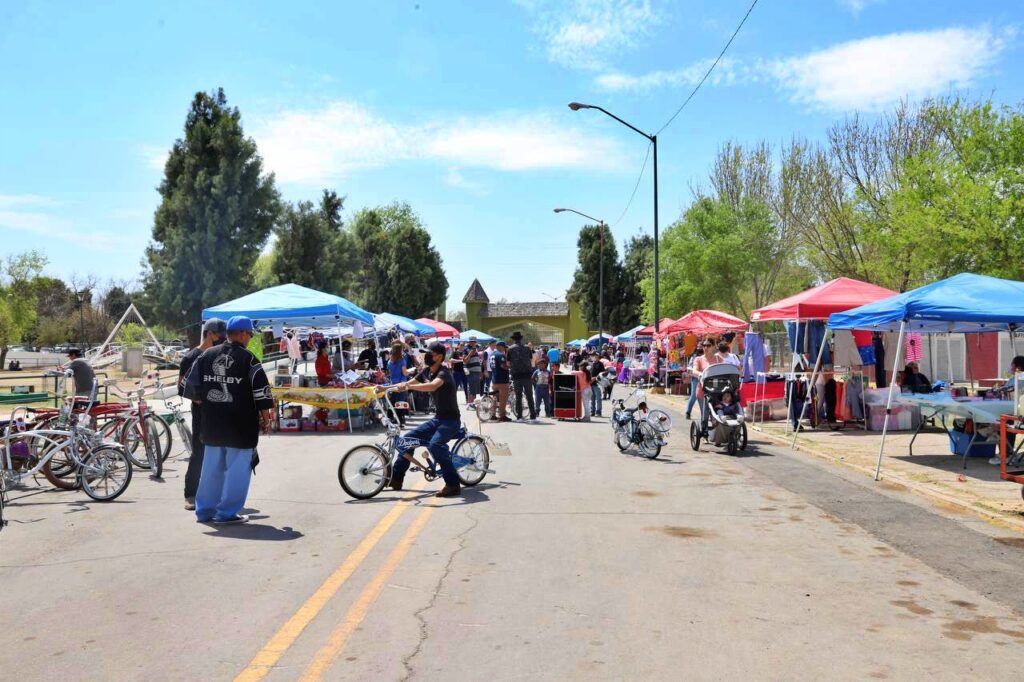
x: 712, y: 68
x: 635, y: 187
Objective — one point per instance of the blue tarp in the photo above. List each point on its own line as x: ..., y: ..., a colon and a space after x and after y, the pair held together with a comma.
x: 388, y: 320
x: 293, y: 305
x: 962, y: 303
x: 480, y: 336
x: 631, y: 334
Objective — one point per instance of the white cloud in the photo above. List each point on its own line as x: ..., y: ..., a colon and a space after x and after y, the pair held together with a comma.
x: 727, y: 72
x: 155, y: 156
x: 55, y: 228
x: 12, y: 200
x: 455, y: 178
x: 866, y: 74
x: 585, y: 33
x: 315, y: 146
x: 857, y: 6
x: 872, y: 73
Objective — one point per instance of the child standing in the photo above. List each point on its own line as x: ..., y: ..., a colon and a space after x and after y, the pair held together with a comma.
x: 542, y: 386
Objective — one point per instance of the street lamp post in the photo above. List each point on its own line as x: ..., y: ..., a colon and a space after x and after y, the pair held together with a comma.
x: 600, y: 270
x: 81, y: 316
x: 576, y: 106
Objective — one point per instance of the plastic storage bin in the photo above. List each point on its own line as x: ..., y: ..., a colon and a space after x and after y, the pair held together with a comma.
x: 959, y: 441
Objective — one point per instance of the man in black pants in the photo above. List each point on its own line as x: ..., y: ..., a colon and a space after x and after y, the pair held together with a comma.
x: 214, y: 333
x: 520, y: 361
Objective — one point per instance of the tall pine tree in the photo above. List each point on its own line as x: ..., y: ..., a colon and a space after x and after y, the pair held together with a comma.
x: 216, y: 212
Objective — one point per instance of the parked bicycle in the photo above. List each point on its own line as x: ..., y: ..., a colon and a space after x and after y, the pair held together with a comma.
x: 639, y: 425
x: 365, y: 470
x: 101, y: 467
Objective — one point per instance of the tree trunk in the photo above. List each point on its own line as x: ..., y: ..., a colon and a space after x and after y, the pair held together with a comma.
x: 3, y: 357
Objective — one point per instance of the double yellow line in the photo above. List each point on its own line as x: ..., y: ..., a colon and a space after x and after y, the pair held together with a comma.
x: 267, y: 657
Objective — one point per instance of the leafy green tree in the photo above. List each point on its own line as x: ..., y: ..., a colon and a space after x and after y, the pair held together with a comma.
x: 116, y: 301
x: 586, y: 286
x: 17, y: 298
x: 312, y: 248
x: 216, y: 211
x: 401, y: 271
x: 637, y: 265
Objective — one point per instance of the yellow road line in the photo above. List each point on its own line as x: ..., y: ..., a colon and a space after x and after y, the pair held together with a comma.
x: 271, y: 653
x: 325, y: 657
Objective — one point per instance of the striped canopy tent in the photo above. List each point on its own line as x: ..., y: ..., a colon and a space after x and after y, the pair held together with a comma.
x: 441, y: 329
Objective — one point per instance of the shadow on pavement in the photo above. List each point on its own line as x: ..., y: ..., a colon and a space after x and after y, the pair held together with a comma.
x: 255, y: 531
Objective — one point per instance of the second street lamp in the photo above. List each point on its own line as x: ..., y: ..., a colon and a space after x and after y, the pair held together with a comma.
x: 600, y: 277
x: 576, y: 106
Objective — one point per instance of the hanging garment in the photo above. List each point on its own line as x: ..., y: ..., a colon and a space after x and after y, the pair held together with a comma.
x: 845, y: 350
x: 879, y: 346
x: 796, y: 396
x: 842, y: 409
x: 690, y: 344
x: 830, y: 400
x: 914, y: 349
x: 753, y: 358
x: 854, y: 393
x: 867, y: 354
x: 806, y: 337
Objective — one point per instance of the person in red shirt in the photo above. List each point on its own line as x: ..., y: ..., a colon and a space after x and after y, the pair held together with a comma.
x: 323, y: 366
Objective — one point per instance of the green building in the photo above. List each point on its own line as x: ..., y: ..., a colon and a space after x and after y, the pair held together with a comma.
x: 547, y: 322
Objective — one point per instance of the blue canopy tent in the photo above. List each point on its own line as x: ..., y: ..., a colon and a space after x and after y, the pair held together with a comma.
x: 598, y: 339
x: 631, y: 335
x: 393, y: 321
x: 576, y: 343
x: 294, y: 305
x: 964, y: 303
x: 479, y: 335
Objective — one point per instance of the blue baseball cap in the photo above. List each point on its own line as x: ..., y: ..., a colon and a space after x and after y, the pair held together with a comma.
x: 240, y: 323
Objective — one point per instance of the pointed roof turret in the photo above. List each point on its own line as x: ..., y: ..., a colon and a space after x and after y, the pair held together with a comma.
x: 476, y: 294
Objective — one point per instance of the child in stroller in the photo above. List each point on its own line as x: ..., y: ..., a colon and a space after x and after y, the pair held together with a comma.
x: 721, y: 421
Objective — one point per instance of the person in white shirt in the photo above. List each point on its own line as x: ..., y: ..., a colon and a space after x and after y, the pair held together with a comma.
x: 294, y: 351
x: 725, y: 355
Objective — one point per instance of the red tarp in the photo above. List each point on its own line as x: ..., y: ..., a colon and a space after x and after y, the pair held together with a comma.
x: 649, y: 329
x: 818, y: 303
x: 702, y: 322
x: 443, y: 330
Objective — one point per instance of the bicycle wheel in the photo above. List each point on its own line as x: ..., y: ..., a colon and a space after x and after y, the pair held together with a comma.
x: 185, y: 433
x: 695, y: 435
x: 660, y: 420
x: 650, y: 443
x: 105, y: 473
x: 622, y: 439
x: 485, y: 408
x: 154, y: 453
x: 476, y: 460
x: 163, y: 434
x: 130, y: 436
x: 61, y: 471
x: 364, y: 471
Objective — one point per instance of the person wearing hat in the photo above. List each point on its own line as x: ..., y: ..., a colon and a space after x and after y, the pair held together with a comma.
x: 214, y: 330
x: 85, y: 377
x: 443, y: 427
x: 520, y: 362
x: 235, y: 400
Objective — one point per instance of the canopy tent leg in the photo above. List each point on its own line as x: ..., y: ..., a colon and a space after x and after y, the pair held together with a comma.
x: 348, y: 400
x: 814, y: 377
x: 967, y: 361
x: 949, y: 357
x: 888, y: 402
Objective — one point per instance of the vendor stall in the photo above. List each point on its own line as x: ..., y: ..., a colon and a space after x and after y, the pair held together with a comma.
x: 805, y: 314
x: 682, y: 335
x: 389, y: 321
x: 480, y: 336
x: 296, y: 306
x: 965, y: 303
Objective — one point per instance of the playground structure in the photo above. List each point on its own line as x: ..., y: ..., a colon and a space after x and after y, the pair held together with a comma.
x: 130, y: 358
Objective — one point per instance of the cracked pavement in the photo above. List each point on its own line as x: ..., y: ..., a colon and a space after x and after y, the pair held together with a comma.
x: 572, y: 561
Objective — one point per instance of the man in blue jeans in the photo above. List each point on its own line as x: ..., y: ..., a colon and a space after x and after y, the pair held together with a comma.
x: 235, y: 400
x: 436, y: 432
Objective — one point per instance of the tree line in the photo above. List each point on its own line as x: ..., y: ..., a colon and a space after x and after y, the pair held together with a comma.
x: 917, y: 194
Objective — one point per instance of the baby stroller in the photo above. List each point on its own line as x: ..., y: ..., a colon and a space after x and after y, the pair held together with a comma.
x: 713, y: 427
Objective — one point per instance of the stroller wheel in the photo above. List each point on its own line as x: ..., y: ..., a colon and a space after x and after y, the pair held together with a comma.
x: 734, y: 442
x: 743, y: 436
x: 695, y: 435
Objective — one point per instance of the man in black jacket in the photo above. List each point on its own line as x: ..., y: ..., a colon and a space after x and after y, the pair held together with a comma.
x: 520, y: 361
x: 235, y: 402
x: 214, y: 330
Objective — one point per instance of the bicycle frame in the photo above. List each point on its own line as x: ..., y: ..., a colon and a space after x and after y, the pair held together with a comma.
x: 395, y: 445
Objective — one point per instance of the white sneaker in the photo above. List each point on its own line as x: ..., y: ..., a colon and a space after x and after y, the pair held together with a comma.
x: 995, y: 461
x: 535, y: 421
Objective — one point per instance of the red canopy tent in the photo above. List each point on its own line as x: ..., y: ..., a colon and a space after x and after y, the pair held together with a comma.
x: 702, y: 322
x: 443, y: 331
x: 837, y: 296
x: 649, y: 329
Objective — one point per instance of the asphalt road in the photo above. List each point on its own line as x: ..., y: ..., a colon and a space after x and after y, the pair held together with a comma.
x: 572, y: 561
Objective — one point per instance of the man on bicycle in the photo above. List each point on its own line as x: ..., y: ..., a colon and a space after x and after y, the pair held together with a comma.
x: 444, y: 426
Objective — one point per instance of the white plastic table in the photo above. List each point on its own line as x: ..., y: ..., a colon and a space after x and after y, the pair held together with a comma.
x: 943, y: 405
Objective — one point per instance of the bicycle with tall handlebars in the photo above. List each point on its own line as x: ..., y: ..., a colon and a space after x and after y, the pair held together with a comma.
x: 365, y: 470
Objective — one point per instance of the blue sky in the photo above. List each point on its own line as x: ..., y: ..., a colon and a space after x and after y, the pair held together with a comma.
x: 458, y: 108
